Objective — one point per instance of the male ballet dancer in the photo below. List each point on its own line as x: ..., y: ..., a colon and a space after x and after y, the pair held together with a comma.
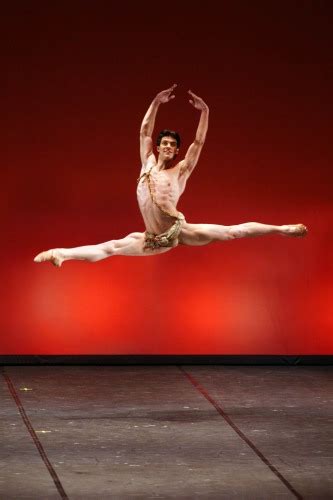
x: 160, y: 186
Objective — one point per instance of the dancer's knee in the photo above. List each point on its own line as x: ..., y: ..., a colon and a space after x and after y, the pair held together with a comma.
x: 235, y: 232
x: 108, y: 248
x: 241, y: 230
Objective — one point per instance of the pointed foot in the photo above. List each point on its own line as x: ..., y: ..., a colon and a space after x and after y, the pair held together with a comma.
x: 298, y: 230
x: 54, y: 256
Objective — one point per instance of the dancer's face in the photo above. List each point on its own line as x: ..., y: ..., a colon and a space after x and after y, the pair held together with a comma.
x: 167, y: 148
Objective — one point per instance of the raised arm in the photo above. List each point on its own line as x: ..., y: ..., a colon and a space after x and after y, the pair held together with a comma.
x: 148, y: 122
x: 193, y: 152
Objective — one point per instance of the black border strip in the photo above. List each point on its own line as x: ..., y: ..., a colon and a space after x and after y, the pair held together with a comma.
x: 34, y: 436
x: 165, y: 359
x: 226, y: 417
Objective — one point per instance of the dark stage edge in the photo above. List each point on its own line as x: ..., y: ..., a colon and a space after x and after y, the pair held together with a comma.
x: 40, y: 359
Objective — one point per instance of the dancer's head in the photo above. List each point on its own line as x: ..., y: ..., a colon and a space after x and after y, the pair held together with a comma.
x: 168, y: 142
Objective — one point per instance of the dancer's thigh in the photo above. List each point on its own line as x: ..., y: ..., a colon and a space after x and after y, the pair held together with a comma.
x: 134, y: 245
x: 202, y: 234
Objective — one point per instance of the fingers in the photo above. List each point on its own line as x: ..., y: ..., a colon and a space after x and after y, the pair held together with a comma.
x: 193, y: 95
x: 171, y: 88
x: 167, y: 93
x: 194, y: 99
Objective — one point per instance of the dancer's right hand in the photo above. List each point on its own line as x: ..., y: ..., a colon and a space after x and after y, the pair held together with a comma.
x: 166, y: 95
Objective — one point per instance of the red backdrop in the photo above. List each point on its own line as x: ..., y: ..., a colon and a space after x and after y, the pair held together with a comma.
x: 79, y: 79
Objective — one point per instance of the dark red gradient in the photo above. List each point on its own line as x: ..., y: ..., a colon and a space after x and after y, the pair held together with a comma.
x: 78, y: 80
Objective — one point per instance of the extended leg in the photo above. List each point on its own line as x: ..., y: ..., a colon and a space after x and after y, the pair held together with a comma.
x: 131, y: 245
x: 202, y: 234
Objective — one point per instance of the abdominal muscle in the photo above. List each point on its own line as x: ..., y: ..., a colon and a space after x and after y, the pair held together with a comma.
x: 165, y: 189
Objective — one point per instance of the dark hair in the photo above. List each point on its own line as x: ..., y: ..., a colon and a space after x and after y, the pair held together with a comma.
x: 168, y: 133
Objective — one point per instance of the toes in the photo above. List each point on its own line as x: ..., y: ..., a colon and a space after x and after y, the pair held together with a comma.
x: 304, y: 230
x: 39, y: 257
x: 299, y: 230
x: 49, y: 255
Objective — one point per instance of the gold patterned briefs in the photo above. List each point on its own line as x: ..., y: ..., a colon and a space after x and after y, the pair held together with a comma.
x: 166, y: 239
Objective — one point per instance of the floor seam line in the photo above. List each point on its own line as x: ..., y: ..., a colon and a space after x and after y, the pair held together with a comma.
x: 229, y: 421
x: 34, y: 436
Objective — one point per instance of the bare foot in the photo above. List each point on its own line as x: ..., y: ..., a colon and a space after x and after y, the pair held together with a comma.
x: 296, y: 230
x: 54, y: 256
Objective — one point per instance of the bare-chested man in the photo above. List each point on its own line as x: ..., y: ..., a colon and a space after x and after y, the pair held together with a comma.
x: 160, y: 185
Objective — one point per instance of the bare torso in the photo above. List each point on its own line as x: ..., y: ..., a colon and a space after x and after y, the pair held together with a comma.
x: 167, y: 186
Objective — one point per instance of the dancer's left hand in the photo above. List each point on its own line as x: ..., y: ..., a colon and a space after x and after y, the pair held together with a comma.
x: 197, y: 102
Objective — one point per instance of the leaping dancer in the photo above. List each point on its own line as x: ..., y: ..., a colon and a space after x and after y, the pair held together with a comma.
x: 160, y: 185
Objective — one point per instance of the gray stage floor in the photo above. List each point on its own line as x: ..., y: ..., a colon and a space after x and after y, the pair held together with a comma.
x: 210, y: 432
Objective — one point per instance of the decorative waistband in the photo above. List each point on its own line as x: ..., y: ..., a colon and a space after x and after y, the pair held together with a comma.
x: 167, y: 238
